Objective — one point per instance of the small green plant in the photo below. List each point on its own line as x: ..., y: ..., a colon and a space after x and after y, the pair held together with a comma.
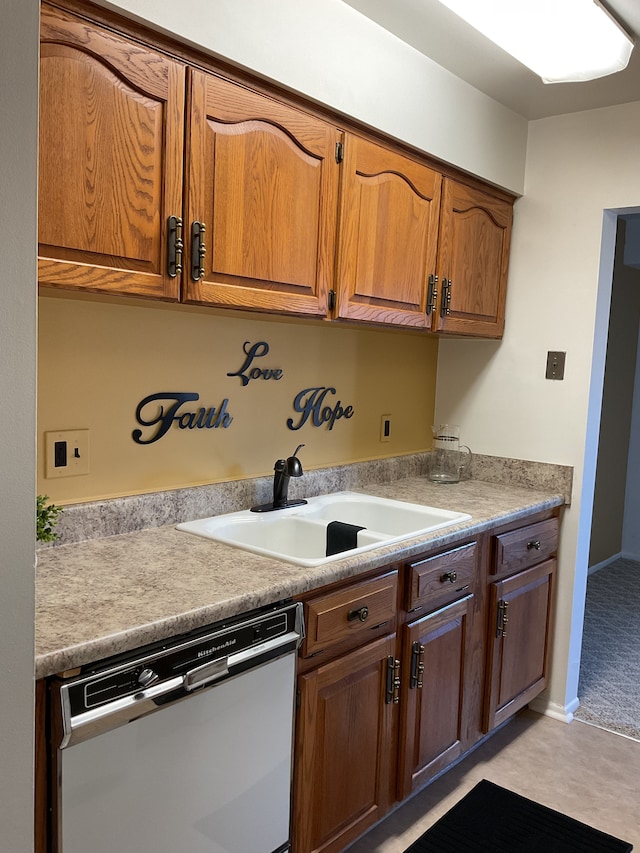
x: 46, y: 519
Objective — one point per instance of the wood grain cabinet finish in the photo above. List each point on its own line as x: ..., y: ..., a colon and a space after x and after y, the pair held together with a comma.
x: 473, y: 257
x: 281, y: 210
x: 519, y: 622
x: 435, y: 702
x: 350, y: 614
x: 438, y: 580
x: 346, y: 732
x: 111, y: 159
x: 263, y: 179
x: 388, y: 235
x: 526, y: 546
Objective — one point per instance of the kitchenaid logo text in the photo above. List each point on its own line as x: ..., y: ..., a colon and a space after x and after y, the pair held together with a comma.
x: 212, y: 650
x: 167, y: 412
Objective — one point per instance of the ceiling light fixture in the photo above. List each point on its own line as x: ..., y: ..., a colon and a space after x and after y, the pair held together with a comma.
x: 560, y: 40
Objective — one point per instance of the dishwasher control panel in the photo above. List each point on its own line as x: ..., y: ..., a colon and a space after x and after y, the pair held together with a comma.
x: 237, y: 645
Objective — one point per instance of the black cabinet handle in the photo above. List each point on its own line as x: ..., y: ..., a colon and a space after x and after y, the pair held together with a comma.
x: 361, y: 613
x: 448, y: 576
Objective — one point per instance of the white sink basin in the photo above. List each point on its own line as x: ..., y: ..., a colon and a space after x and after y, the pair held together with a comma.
x: 302, y: 535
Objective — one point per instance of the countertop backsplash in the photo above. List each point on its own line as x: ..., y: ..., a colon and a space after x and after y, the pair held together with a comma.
x: 95, y: 520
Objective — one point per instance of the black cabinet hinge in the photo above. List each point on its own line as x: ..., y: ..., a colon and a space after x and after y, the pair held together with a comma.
x: 339, y: 152
x: 332, y: 300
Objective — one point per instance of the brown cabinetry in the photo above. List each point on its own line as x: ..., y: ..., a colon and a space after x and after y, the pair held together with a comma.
x: 473, y: 256
x: 419, y: 250
x: 436, y: 660
x: 261, y: 203
x: 110, y: 170
x: 519, y: 619
x: 224, y: 195
x: 434, y: 702
x: 388, y: 235
x: 263, y: 180
x: 346, y: 725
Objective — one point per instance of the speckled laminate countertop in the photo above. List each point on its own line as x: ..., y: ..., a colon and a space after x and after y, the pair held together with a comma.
x: 101, y: 597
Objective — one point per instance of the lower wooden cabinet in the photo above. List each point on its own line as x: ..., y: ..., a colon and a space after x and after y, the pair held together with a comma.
x: 518, y: 638
x: 402, y: 672
x: 345, y: 748
x: 434, y: 705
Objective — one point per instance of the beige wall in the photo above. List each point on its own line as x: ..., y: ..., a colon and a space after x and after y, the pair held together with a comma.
x: 335, y: 55
x: 578, y: 166
x: 98, y: 359
x: 18, y: 151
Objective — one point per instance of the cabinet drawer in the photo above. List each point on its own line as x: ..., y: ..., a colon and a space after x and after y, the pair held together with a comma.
x: 525, y: 546
x: 439, y: 580
x: 349, y: 612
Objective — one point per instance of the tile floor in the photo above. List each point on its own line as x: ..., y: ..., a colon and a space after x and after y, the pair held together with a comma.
x: 587, y: 773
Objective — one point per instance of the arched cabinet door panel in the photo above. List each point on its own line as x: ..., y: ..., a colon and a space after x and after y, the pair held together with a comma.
x: 111, y: 153
x: 263, y: 181
x: 473, y: 255
x: 387, y: 237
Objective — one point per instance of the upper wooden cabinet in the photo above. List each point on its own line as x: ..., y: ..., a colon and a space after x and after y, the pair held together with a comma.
x: 388, y: 235
x: 111, y: 153
x: 263, y: 179
x: 419, y: 250
x: 473, y: 256
x: 167, y: 181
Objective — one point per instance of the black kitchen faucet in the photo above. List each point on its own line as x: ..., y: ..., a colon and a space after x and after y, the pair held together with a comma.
x: 284, y: 469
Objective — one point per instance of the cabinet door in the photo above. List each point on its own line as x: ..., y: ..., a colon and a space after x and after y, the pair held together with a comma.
x: 435, y: 662
x: 263, y: 180
x: 473, y: 255
x: 387, y: 237
x: 519, y: 619
x: 345, y: 748
x: 111, y: 151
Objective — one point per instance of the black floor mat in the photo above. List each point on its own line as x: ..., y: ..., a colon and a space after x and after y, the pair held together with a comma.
x: 491, y: 819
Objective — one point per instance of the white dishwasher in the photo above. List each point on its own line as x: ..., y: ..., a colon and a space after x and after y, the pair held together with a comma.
x: 183, y: 747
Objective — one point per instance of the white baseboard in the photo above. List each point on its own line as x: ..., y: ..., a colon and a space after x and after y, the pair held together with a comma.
x: 564, y: 713
x: 605, y: 563
x: 627, y: 555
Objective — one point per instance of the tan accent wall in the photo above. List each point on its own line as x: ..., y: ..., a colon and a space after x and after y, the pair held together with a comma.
x: 98, y: 359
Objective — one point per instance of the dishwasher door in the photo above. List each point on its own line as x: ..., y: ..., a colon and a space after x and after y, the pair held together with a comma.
x: 186, y: 749
x: 209, y: 773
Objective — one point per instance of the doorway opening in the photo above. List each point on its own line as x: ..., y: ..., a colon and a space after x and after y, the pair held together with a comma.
x: 610, y: 661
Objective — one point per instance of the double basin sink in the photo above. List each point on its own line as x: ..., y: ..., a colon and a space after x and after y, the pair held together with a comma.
x: 326, y: 528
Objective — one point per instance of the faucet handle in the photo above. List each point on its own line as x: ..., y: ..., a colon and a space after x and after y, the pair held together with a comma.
x: 294, y: 466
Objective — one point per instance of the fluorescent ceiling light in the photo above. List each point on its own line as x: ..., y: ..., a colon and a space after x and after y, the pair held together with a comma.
x: 561, y: 40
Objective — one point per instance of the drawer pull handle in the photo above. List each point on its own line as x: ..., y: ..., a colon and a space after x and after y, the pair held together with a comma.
x: 449, y: 576
x: 361, y: 613
x: 535, y: 543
